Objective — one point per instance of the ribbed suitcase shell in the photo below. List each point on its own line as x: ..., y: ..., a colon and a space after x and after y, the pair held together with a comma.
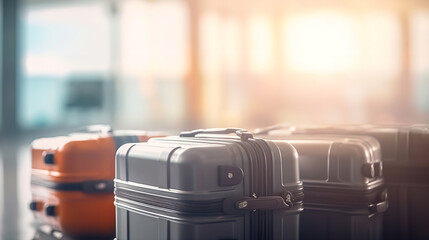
x: 405, y: 155
x: 177, y: 188
x: 72, y: 181
x: 344, y: 191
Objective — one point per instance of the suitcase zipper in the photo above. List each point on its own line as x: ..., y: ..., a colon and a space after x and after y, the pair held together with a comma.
x: 266, y: 154
x: 256, y: 190
x: 261, y: 165
x: 261, y: 220
x: 260, y: 168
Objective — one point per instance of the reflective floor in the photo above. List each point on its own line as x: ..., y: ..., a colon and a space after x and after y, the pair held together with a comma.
x: 15, y: 194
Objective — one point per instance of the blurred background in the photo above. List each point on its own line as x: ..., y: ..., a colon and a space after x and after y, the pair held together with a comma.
x: 183, y: 64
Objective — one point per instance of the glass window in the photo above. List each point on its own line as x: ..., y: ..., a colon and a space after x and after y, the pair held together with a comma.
x: 65, y: 64
x: 419, y: 38
x: 1, y: 66
x: 154, y: 61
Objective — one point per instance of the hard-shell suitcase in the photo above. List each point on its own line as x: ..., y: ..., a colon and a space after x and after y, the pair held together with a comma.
x: 405, y: 155
x: 207, y: 187
x: 344, y: 192
x: 72, y: 180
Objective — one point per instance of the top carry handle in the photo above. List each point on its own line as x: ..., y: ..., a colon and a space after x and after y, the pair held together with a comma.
x: 242, y: 133
x: 97, y: 128
x: 280, y: 126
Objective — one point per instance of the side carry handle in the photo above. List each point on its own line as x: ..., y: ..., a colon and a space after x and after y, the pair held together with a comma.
x: 242, y: 133
x: 264, y: 203
x: 380, y: 206
x: 237, y: 205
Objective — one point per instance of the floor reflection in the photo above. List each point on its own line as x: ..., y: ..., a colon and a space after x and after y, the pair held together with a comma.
x: 1, y: 191
x: 47, y: 233
x: 15, y: 166
x: 15, y: 194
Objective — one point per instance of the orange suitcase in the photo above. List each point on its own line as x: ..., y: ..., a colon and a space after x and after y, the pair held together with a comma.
x: 72, y: 180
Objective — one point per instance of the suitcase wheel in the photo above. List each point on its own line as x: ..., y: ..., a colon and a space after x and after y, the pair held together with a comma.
x: 48, y: 158
x: 36, y: 206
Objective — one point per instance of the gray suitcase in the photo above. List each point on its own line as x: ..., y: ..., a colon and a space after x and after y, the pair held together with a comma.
x: 208, y: 187
x: 405, y: 154
x: 344, y: 192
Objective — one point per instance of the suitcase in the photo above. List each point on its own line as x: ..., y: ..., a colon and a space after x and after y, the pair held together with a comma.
x: 405, y: 155
x: 207, y: 185
x: 72, y: 180
x: 345, y: 196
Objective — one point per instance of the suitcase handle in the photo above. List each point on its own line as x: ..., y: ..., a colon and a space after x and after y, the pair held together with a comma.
x: 292, y: 129
x: 242, y: 133
x: 269, y: 202
x: 266, y: 130
x: 235, y: 205
x: 380, y: 206
x: 97, y: 128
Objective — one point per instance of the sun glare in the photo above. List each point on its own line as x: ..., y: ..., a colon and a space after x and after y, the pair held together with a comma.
x: 261, y: 44
x: 320, y: 43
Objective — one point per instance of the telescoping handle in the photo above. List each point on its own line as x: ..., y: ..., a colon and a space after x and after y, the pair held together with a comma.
x: 242, y: 133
